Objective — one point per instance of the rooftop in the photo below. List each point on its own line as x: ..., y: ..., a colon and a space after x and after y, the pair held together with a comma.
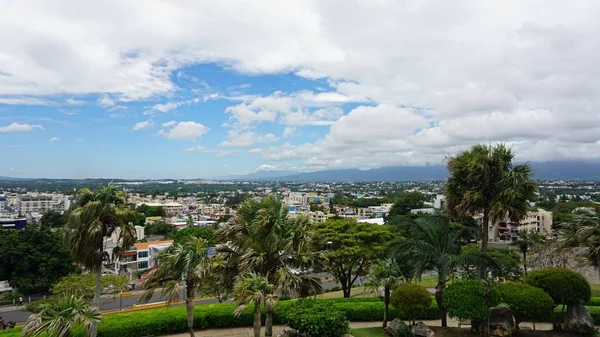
x: 145, y: 245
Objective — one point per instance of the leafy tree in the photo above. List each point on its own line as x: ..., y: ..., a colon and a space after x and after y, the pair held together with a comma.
x: 160, y: 228
x: 484, y: 179
x: 186, y: 262
x: 314, y: 207
x: 253, y: 288
x: 97, y: 215
x: 412, y: 300
x: 434, y: 246
x: 60, y: 318
x: 563, y: 285
x: 527, y: 303
x: 386, y: 274
x: 52, y: 219
x: 471, y: 300
x: 406, y: 202
x: 151, y: 211
x: 206, y: 233
x: 350, y: 248
x: 82, y: 285
x: 34, y: 258
x: 525, y: 241
x: 505, y: 264
x: 261, y: 239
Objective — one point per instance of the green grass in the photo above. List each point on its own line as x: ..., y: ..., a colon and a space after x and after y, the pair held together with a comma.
x: 429, y: 281
x: 595, y: 289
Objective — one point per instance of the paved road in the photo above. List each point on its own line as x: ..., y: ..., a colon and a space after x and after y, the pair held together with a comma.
x: 17, y: 315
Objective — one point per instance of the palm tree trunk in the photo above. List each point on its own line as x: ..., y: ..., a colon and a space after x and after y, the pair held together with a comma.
x: 257, y: 322
x: 525, y: 262
x: 386, y: 305
x: 439, y: 295
x: 96, y: 302
x: 484, y: 242
x: 189, y: 305
x: 269, y: 323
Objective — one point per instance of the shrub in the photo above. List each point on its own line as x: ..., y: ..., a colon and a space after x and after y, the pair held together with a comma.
x: 335, y: 288
x: 467, y: 300
x: 593, y: 302
x: 526, y: 302
x: 11, y: 296
x: 317, y: 319
x: 563, y: 285
x: 404, y: 331
x: 412, y: 300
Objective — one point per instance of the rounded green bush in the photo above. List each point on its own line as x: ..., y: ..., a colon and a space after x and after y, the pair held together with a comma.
x: 468, y: 300
x: 317, y: 319
x: 527, y: 302
x: 412, y: 300
x: 563, y: 285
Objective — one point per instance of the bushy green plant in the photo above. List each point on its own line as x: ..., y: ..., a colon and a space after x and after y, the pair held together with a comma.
x: 563, y: 285
x: 526, y: 302
x: 316, y: 319
x: 412, y: 300
x: 11, y: 296
x: 468, y: 300
x: 404, y: 331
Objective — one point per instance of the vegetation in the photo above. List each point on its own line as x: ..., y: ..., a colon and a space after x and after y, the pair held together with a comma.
x: 563, y: 285
x: 385, y: 274
x: 82, y: 285
x: 469, y: 300
x: 150, y: 211
x: 160, y: 228
x: 52, y: 219
x: 412, y: 300
x: 316, y: 319
x: 526, y: 302
x: 525, y: 241
x: 206, y: 233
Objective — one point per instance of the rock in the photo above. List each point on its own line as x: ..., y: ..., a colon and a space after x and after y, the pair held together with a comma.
x: 422, y: 330
x: 501, y: 322
x: 578, y: 319
x: 288, y: 332
x: 348, y: 335
x: 391, y: 330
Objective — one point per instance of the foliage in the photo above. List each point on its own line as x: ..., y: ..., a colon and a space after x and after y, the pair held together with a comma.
x: 411, y: 299
x: 61, y: 318
x: 317, y: 319
x: 506, y: 264
x: 206, y: 233
x: 563, y: 285
x: 526, y: 302
x: 350, y: 247
x: 160, y: 228
x: 467, y: 300
x: 385, y: 274
x: 11, y: 296
x: 404, y: 331
x: 52, y: 219
x: 82, y: 285
x: 406, y: 202
x: 150, y: 211
x: 33, y: 259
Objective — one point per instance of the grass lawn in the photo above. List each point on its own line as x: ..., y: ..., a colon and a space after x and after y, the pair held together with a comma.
x: 457, y: 332
x: 356, y: 292
x: 595, y: 289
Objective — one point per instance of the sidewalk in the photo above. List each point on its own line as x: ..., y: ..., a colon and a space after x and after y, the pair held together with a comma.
x: 248, y: 332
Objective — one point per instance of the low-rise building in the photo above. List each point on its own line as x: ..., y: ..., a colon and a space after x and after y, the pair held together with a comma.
x: 143, y: 256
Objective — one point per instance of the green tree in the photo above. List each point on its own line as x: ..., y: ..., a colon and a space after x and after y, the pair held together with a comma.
x: 262, y: 239
x: 406, y: 202
x: 434, y: 246
x: 97, y: 215
x: 563, y: 285
x: 187, y: 263
x: 33, y: 259
x: 470, y: 299
x: 525, y: 241
x: 350, y: 247
x: 206, y: 233
x: 526, y: 302
x: 82, y: 285
x: 160, y: 228
x: 386, y: 274
x: 505, y: 264
x: 151, y: 211
x: 60, y: 318
x: 254, y: 289
x: 484, y: 179
x: 52, y: 219
x: 412, y: 300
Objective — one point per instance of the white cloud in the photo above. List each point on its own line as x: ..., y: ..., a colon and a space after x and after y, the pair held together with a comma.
x: 106, y: 102
x: 184, y: 131
x: 166, y: 107
x: 18, y: 127
x: 242, y: 137
x: 197, y: 148
x: 143, y: 125
x: 220, y: 153
x: 73, y: 102
x: 54, y: 139
x: 24, y: 101
x: 168, y: 124
x: 289, y: 131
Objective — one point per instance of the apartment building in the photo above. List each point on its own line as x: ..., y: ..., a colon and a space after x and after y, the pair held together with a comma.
x: 539, y: 221
x: 3, y: 203
x: 35, y: 203
x: 143, y: 256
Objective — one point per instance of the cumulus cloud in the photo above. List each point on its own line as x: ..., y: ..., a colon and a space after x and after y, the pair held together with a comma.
x: 168, y: 124
x: 162, y: 107
x: 105, y: 102
x: 18, y: 127
x: 289, y: 131
x: 54, y: 139
x: 197, y: 148
x: 242, y: 137
x: 143, y: 125
x: 184, y: 131
x: 74, y: 102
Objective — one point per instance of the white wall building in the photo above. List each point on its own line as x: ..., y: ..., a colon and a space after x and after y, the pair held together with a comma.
x: 3, y: 203
x: 34, y: 203
x: 539, y: 221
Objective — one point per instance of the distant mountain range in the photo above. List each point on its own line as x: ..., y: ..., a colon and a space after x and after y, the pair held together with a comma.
x: 573, y: 170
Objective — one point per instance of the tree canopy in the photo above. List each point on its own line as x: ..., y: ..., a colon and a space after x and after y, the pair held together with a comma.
x: 52, y: 219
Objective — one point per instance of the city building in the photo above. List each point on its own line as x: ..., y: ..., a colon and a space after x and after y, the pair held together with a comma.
x: 10, y: 223
x: 143, y: 256
x: 34, y: 203
x: 3, y: 203
x: 539, y: 221
x: 423, y: 211
x: 439, y: 201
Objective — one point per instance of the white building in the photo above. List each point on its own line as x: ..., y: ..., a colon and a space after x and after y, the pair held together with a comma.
x: 3, y: 203
x: 35, y: 203
x: 143, y: 256
x: 439, y: 201
x: 538, y: 222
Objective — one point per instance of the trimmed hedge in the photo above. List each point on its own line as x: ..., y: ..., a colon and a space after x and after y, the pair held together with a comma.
x: 563, y: 285
x: 526, y: 302
x: 317, y: 319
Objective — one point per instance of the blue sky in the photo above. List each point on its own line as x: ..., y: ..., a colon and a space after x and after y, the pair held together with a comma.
x: 198, y: 89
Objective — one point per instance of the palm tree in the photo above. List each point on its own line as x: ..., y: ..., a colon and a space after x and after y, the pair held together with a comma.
x: 525, y: 241
x: 484, y: 180
x: 97, y: 215
x: 187, y: 264
x: 386, y: 274
x: 583, y: 229
x: 57, y: 319
x: 261, y: 239
x: 255, y: 289
x: 434, y: 246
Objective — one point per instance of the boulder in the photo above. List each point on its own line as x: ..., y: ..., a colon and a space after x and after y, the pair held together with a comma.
x: 421, y: 329
x: 288, y: 332
x: 391, y: 330
x: 501, y: 322
x: 578, y: 319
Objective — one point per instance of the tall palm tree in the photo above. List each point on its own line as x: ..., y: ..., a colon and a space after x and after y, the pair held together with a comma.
x: 525, y: 241
x: 57, y: 319
x: 95, y: 216
x: 485, y: 180
x: 583, y: 229
x: 252, y: 288
x: 261, y: 239
x: 386, y: 274
x: 184, y: 264
x: 434, y: 246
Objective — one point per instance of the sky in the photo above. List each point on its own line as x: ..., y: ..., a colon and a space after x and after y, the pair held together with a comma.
x: 200, y: 89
